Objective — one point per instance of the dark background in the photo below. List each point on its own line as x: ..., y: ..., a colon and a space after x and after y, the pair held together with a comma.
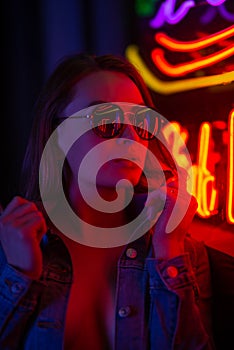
x: 36, y: 35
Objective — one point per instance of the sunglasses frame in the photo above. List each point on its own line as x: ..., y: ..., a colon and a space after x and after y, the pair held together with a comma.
x: 91, y: 118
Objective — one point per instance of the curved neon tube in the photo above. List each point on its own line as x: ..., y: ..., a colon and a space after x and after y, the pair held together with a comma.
x: 230, y: 177
x: 167, y: 88
x: 185, y: 68
x: 185, y: 46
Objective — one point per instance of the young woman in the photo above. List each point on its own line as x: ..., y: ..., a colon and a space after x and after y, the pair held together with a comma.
x: 60, y: 291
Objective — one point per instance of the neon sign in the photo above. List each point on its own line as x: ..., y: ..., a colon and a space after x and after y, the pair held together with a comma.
x: 188, y: 46
x: 204, y: 180
x: 204, y: 177
x: 168, y: 13
x: 132, y: 53
x: 210, y: 14
x: 176, y: 45
x: 147, y: 8
x: 220, y: 47
x: 230, y: 177
x: 186, y: 68
x: 171, y: 87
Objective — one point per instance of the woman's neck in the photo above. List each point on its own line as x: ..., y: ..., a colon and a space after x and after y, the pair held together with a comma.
x: 104, y: 208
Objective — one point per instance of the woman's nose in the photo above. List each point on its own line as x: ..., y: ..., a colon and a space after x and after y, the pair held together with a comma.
x: 128, y: 135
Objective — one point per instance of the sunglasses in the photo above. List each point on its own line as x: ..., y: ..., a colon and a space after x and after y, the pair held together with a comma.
x: 108, y: 120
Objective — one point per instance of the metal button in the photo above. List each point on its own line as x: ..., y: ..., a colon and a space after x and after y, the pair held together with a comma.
x: 131, y: 253
x: 172, y: 271
x: 16, y: 288
x: 124, y: 311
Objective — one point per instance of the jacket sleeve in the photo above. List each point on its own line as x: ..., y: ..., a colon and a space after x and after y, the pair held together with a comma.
x: 174, y: 305
x: 13, y: 286
x: 14, y: 310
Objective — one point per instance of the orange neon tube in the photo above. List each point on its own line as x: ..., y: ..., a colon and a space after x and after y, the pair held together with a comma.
x: 185, y: 46
x: 171, y: 87
x: 185, y: 68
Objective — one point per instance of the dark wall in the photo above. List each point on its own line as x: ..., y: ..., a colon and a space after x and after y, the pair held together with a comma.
x: 36, y: 35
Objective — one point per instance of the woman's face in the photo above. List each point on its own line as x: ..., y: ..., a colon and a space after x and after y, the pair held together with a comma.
x: 101, y: 87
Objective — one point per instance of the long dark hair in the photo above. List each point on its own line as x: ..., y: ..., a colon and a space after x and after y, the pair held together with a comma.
x: 54, y: 97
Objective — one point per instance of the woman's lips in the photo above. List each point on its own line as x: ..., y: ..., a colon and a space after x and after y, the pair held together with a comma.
x: 126, y: 162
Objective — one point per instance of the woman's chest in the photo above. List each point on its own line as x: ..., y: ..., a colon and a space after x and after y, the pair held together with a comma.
x: 90, y: 317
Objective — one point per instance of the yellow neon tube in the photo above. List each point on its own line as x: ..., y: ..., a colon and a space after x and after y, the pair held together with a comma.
x: 203, y: 174
x: 163, y: 87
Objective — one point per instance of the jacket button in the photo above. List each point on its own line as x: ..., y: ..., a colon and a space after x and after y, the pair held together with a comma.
x: 172, y: 271
x: 16, y: 288
x: 131, y: 253
x: 124, y: 311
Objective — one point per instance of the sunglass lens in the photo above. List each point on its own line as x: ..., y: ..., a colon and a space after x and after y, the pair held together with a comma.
x: 147, y: 123
x: 107, y: 120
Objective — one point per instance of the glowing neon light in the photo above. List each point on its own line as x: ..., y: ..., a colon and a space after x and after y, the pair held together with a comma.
x: 203, y: 175
x: 176, y: 137
x: 168, y: 13
x: 204, y: 179
x: 186, y: 46
x: 208, y: 15
x: 230, y: 177
x: 225, y: 14
x: 185, y: 68
x: 165, y: 87
x: 215, y: 2
x: 182, y: 131
x: 211, y: 12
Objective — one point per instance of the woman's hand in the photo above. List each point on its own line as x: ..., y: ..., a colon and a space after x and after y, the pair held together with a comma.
x: 168, y: 245
x: 22, y: 227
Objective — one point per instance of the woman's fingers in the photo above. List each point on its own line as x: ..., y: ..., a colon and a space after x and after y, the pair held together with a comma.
x: 22, y: 213
x: 21, y: 230
x: 18, y: 206
x: 168, y: 197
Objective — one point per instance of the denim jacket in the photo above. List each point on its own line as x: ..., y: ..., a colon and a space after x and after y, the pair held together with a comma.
x: 160, y: 304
